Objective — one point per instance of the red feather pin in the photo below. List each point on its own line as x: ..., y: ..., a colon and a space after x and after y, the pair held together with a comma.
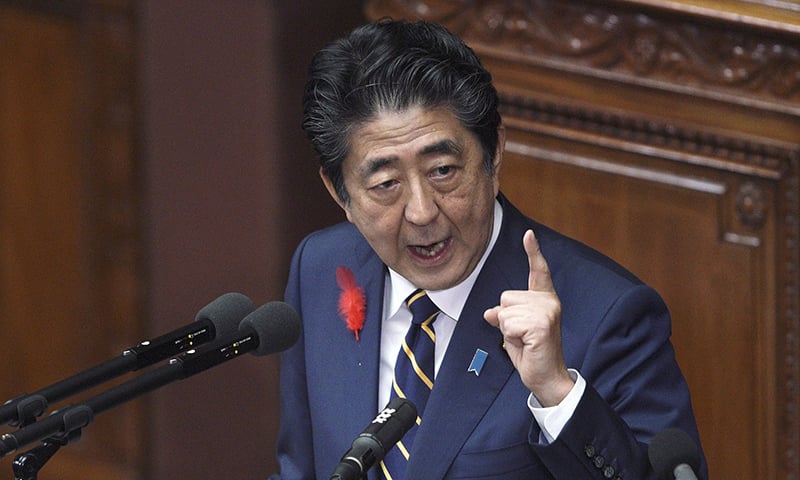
x: 352, y: 302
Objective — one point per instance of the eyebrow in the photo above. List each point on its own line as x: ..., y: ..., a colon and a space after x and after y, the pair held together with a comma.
x: 376, y: 164
x: 447, y: 147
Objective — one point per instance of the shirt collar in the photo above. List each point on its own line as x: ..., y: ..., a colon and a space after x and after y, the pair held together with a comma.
x: 451, y: 300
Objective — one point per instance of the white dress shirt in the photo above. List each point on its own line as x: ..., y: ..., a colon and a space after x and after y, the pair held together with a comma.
x: 397, y: 319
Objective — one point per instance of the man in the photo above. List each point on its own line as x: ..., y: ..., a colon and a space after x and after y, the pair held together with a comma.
x: 551, y: 361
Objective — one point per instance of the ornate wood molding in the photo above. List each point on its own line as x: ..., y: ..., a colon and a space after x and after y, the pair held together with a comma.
x: 753, y: 156
x: 702, y: 56
x: 790, y: 315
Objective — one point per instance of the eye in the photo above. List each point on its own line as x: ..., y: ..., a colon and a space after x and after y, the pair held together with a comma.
x: 443, y: 171
x: 385, y: 185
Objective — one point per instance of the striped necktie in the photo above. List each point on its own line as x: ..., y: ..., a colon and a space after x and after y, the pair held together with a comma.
x: 413, y: 375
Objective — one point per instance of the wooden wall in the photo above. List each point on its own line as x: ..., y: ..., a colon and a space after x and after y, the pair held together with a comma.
x: 70, y: 233
x: 149, y: 151
x: 665, y: 134
x: 227, y: 170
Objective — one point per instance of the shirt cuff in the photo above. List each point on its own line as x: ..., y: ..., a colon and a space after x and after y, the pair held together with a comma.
x: 552, y: 420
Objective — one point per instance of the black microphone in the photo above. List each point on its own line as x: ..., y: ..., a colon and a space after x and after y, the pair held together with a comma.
x: 674, y: 455
x: 379, y: 437
x: 270, y: 328
x: 218, y: 318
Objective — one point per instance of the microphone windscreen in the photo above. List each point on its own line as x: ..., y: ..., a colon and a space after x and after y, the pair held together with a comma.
x: 226, y: 312
x: 277, y: 325
x: 399, y: 415
x: 670, y: 448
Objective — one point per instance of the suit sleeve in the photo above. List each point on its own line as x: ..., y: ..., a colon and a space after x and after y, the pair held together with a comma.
x: 634, y: 390
x: 294, y: 448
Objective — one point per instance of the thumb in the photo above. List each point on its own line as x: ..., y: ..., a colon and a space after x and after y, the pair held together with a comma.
x: 490, y: 316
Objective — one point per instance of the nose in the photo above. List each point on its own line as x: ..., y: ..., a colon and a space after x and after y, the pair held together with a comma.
x: 421, y: 206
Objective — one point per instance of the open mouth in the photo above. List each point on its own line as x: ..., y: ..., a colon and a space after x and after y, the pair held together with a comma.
x: 430, y: 252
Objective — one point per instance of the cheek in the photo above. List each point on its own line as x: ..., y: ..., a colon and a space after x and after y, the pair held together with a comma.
x: 470, y: 215
x: 375, y: 222
x: 473, y: 201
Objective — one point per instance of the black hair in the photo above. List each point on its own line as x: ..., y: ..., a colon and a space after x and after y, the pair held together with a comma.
x: 393, y: 65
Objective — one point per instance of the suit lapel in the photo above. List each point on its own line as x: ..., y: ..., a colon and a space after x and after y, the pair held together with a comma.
x: 360, y: 362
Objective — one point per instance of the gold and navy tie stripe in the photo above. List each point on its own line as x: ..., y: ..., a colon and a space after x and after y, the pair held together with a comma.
x: 413, y: 375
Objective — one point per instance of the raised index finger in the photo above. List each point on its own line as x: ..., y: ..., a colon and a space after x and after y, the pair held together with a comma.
x: 539, y: 276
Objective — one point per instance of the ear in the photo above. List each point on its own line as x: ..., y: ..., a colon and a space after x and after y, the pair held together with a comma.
x: 332, y: 192
x: 498, y: 156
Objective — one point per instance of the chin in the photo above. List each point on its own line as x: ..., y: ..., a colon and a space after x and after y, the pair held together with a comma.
x: 436, y: 282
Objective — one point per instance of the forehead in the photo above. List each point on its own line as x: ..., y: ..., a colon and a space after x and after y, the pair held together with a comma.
x: 405, y: 133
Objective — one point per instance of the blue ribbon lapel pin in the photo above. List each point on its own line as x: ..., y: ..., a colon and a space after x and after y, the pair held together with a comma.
x: 477, y: 362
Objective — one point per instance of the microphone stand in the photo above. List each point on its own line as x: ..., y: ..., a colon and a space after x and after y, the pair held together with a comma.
x: 65, y: 425
x: 26, y: 465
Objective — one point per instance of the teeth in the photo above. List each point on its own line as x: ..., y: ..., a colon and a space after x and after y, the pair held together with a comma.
x: 431, y: 250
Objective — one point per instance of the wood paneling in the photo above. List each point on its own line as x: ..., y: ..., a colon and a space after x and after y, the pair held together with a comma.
x: 117, y: 225
x: 69, y: 239
x: 665, y: 135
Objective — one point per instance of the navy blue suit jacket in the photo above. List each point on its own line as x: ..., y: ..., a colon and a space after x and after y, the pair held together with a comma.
x: 615, y: 331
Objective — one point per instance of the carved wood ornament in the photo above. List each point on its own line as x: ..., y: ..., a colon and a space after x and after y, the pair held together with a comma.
x: 622, y: 40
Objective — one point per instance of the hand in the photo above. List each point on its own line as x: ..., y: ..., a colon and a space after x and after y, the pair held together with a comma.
x: 530, y: 321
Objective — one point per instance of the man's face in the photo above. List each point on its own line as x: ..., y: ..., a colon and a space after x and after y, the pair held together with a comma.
x: 420, y: 194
